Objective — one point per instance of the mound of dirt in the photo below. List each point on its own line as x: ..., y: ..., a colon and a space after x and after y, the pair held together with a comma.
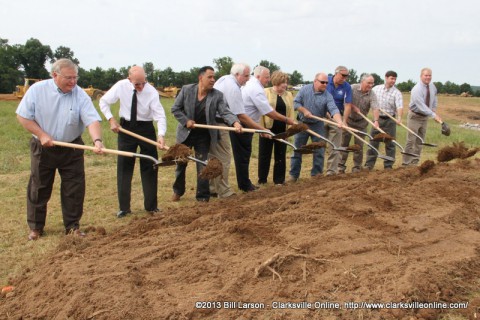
x: 308, y: 250
x: 455, y: 151
x: 177, y: 152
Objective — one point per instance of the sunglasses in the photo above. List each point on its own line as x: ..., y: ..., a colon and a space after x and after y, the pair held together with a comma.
x: 344, y: 75
x: 322, y: 82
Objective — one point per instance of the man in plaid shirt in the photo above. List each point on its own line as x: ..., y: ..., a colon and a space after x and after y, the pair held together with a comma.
x: 390, y: 100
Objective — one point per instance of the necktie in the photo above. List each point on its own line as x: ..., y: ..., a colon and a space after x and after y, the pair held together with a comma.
x: 427, y: 97
x: 133, y: 112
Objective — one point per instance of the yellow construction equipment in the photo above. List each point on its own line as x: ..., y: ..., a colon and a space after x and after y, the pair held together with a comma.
x: 168, y: 92
x: 94, y: 94
x: 20, y: 90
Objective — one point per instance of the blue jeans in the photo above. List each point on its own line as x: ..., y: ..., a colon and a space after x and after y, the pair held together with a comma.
x: 301, y: 139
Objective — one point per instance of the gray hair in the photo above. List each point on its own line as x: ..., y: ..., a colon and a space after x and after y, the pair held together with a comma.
x: 258, y: 70
x: 425, y: 69
x: 238, y: 68
x: 340, y: 68
x: 365, y: 76
x: 63, y: 63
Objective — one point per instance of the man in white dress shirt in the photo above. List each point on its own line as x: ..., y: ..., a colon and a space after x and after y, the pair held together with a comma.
x: 139, y: 107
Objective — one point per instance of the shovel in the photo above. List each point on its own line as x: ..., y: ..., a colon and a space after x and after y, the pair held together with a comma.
x: 274, y: 136
x: 381, y: 156
x: 155, y: 143
x: 390, y: 138
x: 341, y: 149
x: 422, y: 142
x: 294, y: 129
x: 156, y: 163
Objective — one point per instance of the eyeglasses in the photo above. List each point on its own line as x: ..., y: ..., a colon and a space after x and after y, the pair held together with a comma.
x: 322, y: 82
x: 69, y: 78
x: 140, y: 84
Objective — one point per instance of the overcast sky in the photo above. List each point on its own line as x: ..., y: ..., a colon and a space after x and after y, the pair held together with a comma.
x: 304, y: 35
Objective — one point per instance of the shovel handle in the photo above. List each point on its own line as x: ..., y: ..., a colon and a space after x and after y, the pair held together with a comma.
x: 335, y: 124
x: 208, y: 126
x: 105, y: 150
x: 371, y: 122
x: 139, y: 137
x: 391, y: 117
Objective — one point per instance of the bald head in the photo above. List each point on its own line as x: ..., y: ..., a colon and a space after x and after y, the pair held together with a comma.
x: 320, y: 82
x: 137, y: 77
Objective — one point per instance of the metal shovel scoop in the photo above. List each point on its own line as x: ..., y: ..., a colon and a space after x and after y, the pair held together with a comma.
x: 422, y: 142
x: 156, y: 162
x: 393, y: 140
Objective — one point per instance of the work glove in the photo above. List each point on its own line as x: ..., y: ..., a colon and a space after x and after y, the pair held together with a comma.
x: 445, y: 129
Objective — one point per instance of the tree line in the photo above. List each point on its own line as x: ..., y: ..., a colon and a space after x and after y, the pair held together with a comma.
x: 28, y: 61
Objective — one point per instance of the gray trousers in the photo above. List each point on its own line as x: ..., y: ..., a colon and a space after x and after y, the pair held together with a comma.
x: 334, y: 134
x: 223, y: 152
x: 357, y: 155
x: 418, y: 124
x: 390, y: 127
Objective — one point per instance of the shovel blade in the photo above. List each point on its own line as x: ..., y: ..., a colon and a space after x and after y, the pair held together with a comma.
x: 304, y: 151
x: 381, y: 156
x: 410, y: 154
x: 282, y: 135
x: 428, y: 144
x: 342, y: 149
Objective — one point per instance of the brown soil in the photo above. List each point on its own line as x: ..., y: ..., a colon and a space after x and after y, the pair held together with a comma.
x: 213, y: 169
x: 296, y: 128
x: 314, y: 145
x: 354, y: 147
x: 388, y: 236
x: 8, y: 97
x: 426, y: 166
x: 383, y: 137
x: 177, y: 152
x: 456, y: 151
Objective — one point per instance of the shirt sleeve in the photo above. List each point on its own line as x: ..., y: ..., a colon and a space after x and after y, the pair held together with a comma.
x: 261, y: 102
x: 348, y: 94
x: 298, y: 101
x: 234, y: 99
x: 399, y: 100
x: 158, y: 114
x: 331, y: 106
x: 109, y: 98
x: 26, y: 108
x: 88, y: 113
x: 374, y: 101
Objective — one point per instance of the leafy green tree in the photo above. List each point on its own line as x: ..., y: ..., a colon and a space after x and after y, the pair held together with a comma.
x: 406, y: 86
x: 378, y: 80
x: 33, y: 56
x: 270, y: 65
x: 451, y: 87
x: 10, y: 74
x: 465, y: 87
x: 149, y: 70
x: 295, y: 78
x: 223, y: 66
x: 439, y: 86
x: 166, y: 77
x: 124, y: 72
x: 64, y: 52
x: 353, y: 78
x: 111, y: 76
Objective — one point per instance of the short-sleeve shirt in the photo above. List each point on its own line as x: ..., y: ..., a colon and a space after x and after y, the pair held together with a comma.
x: 256, y: 102
x: 341, y: 94
x: 63, y: 116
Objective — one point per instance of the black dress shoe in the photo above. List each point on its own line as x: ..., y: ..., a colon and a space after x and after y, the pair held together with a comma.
x: 156, y: 210
x: 202, y: 200
x: 121, y: 213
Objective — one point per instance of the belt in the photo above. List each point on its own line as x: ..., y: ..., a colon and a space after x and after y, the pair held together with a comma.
x: 123, y: 121
x: 386, y: 117
x: 418, y: 114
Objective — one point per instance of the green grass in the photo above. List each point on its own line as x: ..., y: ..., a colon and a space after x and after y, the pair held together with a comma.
x: 101, y: 199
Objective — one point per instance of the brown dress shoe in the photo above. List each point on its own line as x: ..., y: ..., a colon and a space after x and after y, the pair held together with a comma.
x: 35, y: 234
x: 175, y: 197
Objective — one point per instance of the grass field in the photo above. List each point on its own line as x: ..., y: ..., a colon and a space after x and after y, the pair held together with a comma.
x: 101, y: 199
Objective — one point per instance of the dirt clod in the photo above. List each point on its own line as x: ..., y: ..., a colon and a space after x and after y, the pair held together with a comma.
x: 426, y: 166
x: 456, y: 151
x: 213, y: 169
x: 314, y: 145
x: 354, y: 147
x: 383, y: 137
x: 177, y: 152
x: 296, y: 128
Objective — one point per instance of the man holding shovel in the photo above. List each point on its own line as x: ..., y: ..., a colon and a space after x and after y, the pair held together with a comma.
x: 57, y: 110
x: 390, y: 101
x: 139, y: 107
x: 312, y: 99
x: 363, y: 100
x: 423, y: 105
x: 199, y: 103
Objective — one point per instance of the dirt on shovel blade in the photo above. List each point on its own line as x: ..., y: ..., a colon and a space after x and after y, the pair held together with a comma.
x: 296, y: 128
x: 457, y: 151
x: 314, y: 146
x: 354, y: 147
x: 426, y: 166
x: 383, y: 137
x: 213, y: 169
x: 177, y: 152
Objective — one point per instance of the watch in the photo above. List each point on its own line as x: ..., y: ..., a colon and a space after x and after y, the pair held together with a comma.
x: 97, y: 140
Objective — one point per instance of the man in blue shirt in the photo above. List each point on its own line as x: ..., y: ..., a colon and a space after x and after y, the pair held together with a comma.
x: 341, y: 91
x: 312, y: 99
x: 57, y: 109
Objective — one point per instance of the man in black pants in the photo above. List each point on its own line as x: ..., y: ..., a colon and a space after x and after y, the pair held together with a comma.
x: 199, y: 103
x: 139, y: 107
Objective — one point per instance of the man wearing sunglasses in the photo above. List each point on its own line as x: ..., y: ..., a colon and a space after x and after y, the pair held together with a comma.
x: 341, y: 91
x: 312, y: 99
x: 139, y: 107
